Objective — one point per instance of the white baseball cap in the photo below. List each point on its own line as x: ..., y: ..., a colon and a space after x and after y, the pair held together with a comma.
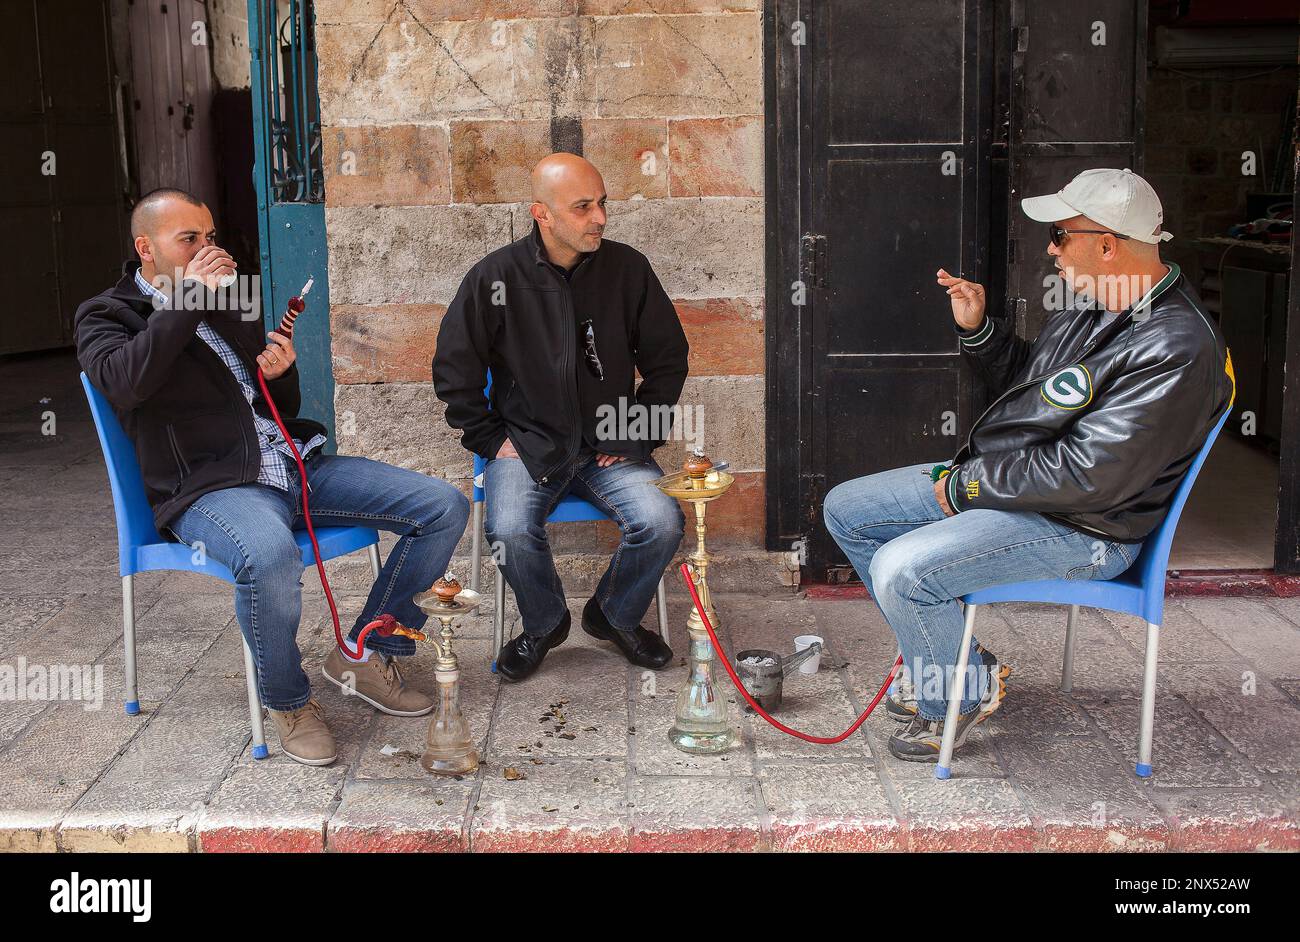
x: 1118, y: 199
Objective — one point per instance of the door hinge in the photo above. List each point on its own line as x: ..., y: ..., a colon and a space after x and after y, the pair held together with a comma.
x: 813, y: 263
x: 1022, y: 38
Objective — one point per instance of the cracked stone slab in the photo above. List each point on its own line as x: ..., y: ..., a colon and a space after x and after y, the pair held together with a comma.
x: 553, y: 805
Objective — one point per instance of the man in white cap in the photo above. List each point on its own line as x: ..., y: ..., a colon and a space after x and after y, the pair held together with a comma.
x: 1075, y: 462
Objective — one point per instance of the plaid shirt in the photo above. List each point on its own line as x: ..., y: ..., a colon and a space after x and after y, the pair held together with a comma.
x: 275, y: 450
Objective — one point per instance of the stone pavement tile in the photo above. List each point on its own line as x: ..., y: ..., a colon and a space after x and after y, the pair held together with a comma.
x: 85, y: 628
x: 1182, y: 636
x: 16, y: 714
x: 44, y: 773
x: 1103, y: 662
x: 652, y: 717
x: 588, y: 688
x: 1257, y: 629
x: 183, y: 611
x: 271, y: 807
x: 207, y: 695
x: 143, y: 815
x: 816, y: 704
x: 22, y: 614
x: 1081, y: 797
x: 424, y: 816
x: 1290, y: 686
x: 191, y: 747
x: 67, y: 744
x: 964, y: 814
x: 224, y: 656
x: 1032, y: 707
x: 1231, y: 820
x: 558, y: 805
x: 750, y: 622
x: 831, y: 806
x: 1186, y: 752
x: 1245, y: 708
x: 101, y: 581
x: 162, y: 660
x: 694, y: 814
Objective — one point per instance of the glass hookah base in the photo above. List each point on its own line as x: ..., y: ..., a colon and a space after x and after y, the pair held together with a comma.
x: 457, y: 763
x: 701, y: 742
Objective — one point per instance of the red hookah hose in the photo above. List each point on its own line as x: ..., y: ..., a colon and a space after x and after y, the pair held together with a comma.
x: 722, y: 656
x: 306, y: 514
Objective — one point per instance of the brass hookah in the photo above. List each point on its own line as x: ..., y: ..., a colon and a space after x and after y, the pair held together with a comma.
x: 448, y: 749
x: 701, y: 725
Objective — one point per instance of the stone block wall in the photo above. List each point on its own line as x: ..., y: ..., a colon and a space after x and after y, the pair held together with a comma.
x: 435, y: 111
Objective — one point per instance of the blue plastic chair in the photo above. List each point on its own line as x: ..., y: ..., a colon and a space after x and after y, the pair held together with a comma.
x: 570, y: 508
x: 140, y: 548
x: 1138, y: 590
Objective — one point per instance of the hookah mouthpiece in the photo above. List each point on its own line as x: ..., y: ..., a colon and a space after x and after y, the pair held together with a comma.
x: 295, y: 307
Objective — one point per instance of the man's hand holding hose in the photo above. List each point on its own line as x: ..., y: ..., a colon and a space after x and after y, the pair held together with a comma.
x: 968, y: 311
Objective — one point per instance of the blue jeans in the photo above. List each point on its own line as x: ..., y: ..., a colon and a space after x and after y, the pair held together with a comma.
x: 651, y: 523
x: 916, y: 563
x: 250, y: 528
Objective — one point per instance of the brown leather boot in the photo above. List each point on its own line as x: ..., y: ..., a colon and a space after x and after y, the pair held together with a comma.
x: 304, y: 737
x: 377, y: 682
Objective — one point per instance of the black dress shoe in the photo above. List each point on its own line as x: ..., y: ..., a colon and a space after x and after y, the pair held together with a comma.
x: 643, y: 648
x: 521, y: 656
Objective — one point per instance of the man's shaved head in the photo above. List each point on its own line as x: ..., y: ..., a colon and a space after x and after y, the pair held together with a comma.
x: 148, y: 212
x: 569, y: 206
x: 170, y: 227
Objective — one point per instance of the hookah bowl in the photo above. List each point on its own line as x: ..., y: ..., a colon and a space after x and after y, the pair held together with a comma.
x: 701, y: 725
x: 448, y: 749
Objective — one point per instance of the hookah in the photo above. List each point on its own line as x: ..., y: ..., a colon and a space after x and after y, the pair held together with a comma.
x: 447, y: 748
x: 701, y: 725
x: 386, y: 625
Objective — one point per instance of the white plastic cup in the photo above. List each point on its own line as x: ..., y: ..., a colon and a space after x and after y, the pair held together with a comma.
x: 811, y: 665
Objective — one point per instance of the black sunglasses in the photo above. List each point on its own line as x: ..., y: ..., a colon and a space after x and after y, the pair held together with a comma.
x: 593, y: 361
x: 1059, y: 234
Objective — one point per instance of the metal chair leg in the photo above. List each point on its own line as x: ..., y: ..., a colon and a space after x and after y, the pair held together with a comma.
x: 375, y: 565
x: 254, y: 703
x: 475, y: 544
x: 955, y: 691
x: 499, y: 616
x: 1067, y: 665
x: 661, y: 597
x: 128, y: 640
x: 1146, y: 727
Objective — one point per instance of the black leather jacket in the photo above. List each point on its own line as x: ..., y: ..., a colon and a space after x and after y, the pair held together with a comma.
x: 1096, y: 433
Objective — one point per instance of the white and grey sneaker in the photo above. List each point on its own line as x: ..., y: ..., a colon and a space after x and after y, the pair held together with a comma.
x: 920, y: 740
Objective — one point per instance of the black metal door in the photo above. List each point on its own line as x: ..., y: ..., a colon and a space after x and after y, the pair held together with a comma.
x: 901, y: 137
x: 1078, y: 74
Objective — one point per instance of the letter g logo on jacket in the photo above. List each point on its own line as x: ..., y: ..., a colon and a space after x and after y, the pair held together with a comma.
x: 1070, y: 388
